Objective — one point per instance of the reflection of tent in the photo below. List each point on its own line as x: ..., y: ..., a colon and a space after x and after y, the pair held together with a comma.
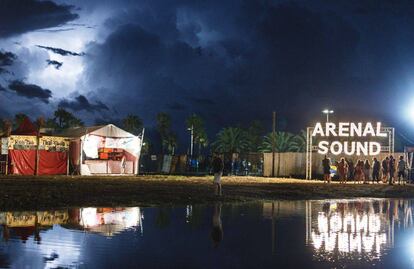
x: 27, y: 153
x: 103, y: 149
x: 109, y: 222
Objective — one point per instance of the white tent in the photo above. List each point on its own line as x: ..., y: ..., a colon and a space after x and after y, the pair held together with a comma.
x: 104, y: 149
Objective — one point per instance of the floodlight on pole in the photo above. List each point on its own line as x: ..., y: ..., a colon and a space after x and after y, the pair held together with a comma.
x: 327, y: 112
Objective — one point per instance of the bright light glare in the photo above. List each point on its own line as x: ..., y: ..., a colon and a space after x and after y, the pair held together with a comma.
x: 327, y: 111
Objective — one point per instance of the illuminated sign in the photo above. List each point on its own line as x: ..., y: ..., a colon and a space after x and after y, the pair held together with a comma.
x: 351, y: 130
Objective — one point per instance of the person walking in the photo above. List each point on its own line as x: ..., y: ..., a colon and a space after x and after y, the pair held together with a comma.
x: 391, y: 170
x: 401, y: 170
x: 367, y: 170
x: 218, y: 167
x: 385, y: 164
x: 359, y: 174
x: 326, y: 165
x: 342, y: 171
x: 375, y: 170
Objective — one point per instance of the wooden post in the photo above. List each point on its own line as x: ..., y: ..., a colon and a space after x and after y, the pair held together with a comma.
x: 37, y: 155
x: 273, y: 143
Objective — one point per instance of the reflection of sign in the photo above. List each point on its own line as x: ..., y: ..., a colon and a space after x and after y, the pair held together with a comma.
x: 351, y: 130
x: 22, y: 142
x: 53, y: 143
x: 4, y: 145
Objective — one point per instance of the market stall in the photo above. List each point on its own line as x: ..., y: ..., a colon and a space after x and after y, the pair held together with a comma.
x: 29, y: 152
x: 103, y: 150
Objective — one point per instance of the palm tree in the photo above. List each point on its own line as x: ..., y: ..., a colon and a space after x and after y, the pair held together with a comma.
x: 299, y: 142
x: 133, y: 124
x: 255, y: 133
x: 199, y: 132
x: 283, y: 142
x: 164, y: 129
x: 231, y: 140
x: 64, y: 119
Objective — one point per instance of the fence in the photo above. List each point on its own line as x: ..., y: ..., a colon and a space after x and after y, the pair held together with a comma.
x: 293, y: 164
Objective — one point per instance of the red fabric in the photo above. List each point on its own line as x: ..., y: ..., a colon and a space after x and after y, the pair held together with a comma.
x: 22, y: 161
x: 26, y: 128
x: 52, y: 163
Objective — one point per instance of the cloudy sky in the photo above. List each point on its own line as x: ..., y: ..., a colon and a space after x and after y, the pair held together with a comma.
x: 229, y: 61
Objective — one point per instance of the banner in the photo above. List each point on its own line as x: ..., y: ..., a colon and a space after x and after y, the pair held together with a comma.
x: 23, y: 142
x: 53, y: 143
x: 4, y: 145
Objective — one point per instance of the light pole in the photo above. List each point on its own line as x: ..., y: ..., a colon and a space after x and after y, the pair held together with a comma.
x: 327, y: 112
x: 191, y: 129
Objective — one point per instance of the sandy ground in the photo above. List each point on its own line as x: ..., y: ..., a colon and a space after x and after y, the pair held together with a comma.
x: 24, y: 193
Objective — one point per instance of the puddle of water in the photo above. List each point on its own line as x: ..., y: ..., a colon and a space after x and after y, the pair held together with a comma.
x: 357, y: 233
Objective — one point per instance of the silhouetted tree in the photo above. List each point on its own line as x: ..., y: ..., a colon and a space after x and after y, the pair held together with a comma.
x: 231, y: 140
x: 64, y: 119
x: 284, y: 142
x: 133, y: 124
x: 199, y: 131
x: 168, y: 138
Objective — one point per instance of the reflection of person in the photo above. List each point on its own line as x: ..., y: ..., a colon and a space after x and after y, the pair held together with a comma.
x: 326, y: 165
x: 217, y: 231
x: 218, y: 167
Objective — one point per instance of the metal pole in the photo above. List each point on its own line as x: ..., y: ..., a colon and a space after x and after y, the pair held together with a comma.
x: 327, y: 117
x: 273, y: 143
x: 192, y: 141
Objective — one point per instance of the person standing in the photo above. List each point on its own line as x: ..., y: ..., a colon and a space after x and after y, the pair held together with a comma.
x: 218, y: 167
x: 385, y: 164
x: 391, y: 170
x: 326, y: 166
x: 351, y: 169
x: 375, y: 170
x: 367, y: 170
x: 359, y: 171
x: 342, y: 170
x: 401, y: 170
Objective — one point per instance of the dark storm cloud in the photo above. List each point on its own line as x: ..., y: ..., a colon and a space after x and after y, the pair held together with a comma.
x: 61, y: 51
x: 176, y: 106
x: 6, y: 59
x: 235, y: 63
x: 82, y: 103
x: 203, y: 101
x: 54, y: 63
x: 30, y: 91
x: 17, y: 17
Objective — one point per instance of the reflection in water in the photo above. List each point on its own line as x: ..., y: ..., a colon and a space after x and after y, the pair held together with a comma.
x: 217, y: 231
x: 282, y: 234
x: 355, y: 230
x: 106, y: 221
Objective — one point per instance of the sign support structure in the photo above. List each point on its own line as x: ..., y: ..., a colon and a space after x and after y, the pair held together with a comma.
x: 310, y: 148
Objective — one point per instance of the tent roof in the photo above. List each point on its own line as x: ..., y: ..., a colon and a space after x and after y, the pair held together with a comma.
x: 109, y: 130
x: 25, y: 128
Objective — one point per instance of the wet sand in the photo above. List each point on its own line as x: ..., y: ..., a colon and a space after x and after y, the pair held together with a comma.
x: 34, y: 193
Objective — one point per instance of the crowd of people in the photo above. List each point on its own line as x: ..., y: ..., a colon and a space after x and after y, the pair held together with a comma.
x: 389, y: 170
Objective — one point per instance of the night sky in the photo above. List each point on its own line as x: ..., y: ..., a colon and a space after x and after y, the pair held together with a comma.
x: 231, y: 62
